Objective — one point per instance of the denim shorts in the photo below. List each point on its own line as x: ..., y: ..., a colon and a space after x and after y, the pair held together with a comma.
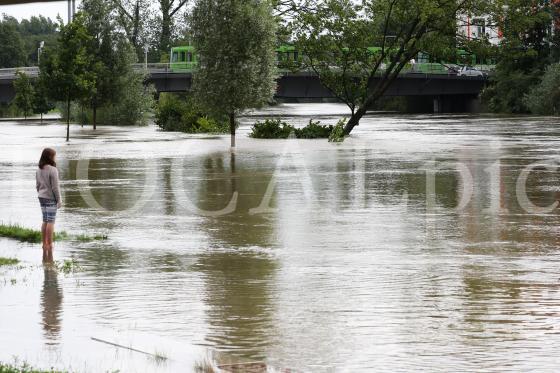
x: 48, y: 208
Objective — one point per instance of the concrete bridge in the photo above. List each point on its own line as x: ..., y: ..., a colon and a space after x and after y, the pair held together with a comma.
x: 442, y: 92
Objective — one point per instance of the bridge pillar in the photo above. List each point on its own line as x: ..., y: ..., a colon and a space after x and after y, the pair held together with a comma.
x: 438, y: 104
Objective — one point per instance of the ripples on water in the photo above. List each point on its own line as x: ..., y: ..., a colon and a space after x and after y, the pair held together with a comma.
x: 348, y: 271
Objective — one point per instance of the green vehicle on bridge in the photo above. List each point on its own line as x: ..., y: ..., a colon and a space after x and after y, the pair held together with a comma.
x: 184, y: 59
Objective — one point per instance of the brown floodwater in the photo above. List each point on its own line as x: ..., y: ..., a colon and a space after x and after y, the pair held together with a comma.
x: 299, y: 253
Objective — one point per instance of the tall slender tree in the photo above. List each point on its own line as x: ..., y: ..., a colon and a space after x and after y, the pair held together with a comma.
x: 65, y: 70
x: 24, y: 94
x: 235, y: 41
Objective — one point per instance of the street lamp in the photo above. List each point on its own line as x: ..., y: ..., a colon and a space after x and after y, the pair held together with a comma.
x: 146, y: 48
x: 39, y: 51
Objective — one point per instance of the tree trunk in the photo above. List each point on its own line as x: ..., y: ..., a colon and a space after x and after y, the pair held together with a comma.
x: 41, y: 118
x: 354, y: 120
x: 232, y: 128
x: 94, y: 108
x: 68, y: 120
x: 166, y: 22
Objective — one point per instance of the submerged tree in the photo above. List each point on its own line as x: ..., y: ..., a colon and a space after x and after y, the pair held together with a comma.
x: 359, y: 48
x: 235, y: 42
x: 65, y: 72
x: 24, y: 94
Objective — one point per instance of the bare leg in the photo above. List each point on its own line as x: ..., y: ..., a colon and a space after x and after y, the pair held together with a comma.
x: 50, y: 235
x: 44, y: 235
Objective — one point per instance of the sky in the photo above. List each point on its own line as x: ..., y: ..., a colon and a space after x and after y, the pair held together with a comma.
x: 34, y: 9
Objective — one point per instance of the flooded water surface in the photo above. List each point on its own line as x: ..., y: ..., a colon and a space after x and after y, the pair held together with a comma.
x: 406, y: 247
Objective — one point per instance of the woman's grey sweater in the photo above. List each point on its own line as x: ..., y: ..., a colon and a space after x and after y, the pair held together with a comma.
x: 47, y: 183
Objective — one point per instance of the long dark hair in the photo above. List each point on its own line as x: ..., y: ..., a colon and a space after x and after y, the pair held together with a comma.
x: 47, y: 158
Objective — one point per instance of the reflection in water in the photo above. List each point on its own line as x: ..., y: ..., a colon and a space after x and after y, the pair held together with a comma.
x: 239, y: 295
x: 51, y: 303
x: 237, y: 282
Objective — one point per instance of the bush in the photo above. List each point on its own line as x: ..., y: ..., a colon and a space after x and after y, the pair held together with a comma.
x: 9, y: 111
x: 314, y: 130
x: 278, y: 129
x: 272, y: 129
x: 178, y: 113
x: 131, y: 108
x: 544, y: 98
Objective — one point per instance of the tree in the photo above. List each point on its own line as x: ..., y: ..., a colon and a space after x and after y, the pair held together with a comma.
x: 24, y: 94
x: 65, y: 71
x: 169, y: 9
x: 235, y: 42
x: 41, y: 104
x: 338, y: 36
x: 524, y: 52
x: 143, y: 24
x: 544, y: 98
x: 133, y: 16
x: 12, y: 49
x: 104, y: 49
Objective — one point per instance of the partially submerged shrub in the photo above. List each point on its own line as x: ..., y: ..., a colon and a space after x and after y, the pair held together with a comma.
x: 130, y: 108
x: 337, y: 134
x: 278, y: 129
x: 314, y: 130
x: 272, y: 129
x: 181, y: 114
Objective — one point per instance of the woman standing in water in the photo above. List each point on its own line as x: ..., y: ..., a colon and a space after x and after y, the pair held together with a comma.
x: 49, y: 198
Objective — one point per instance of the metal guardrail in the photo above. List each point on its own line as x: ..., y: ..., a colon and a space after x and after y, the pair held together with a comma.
x: 31, y: 71
x: 173, y: 68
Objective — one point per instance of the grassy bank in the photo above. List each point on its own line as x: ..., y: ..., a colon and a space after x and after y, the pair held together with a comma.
x: 23, y: 368
x: 8, y: 261
x: 23, y: 234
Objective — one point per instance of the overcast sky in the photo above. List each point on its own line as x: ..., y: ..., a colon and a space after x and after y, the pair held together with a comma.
x: 34, y: 9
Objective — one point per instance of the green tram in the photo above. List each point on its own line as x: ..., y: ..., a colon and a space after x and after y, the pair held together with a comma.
x: 184, y: 59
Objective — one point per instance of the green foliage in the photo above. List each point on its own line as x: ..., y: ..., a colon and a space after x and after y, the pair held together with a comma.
x: 12, y: 52
x: 235, y: 41
x: 68, y: 266
x: 41, y: 104
x: 8, y: 261
x: 278, y: 129
x: 314, y: 130
x: 506, y: 90
x: 22, y: 39
x: 343, y: 58
x: 9, y: 111
x: 65, y: 71
x: 544, y: 98
x: 337, y: 135
x: 182, y: 114
x: 24, y: 94
x: 272, y: 129
x: 132, y: 105
x: 23, y: 368
x: 23, y: 234
x: 524, y: 53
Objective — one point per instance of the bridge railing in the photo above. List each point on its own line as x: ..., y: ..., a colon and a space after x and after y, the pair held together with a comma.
x: 11, y: 72
x: 152, y: 67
